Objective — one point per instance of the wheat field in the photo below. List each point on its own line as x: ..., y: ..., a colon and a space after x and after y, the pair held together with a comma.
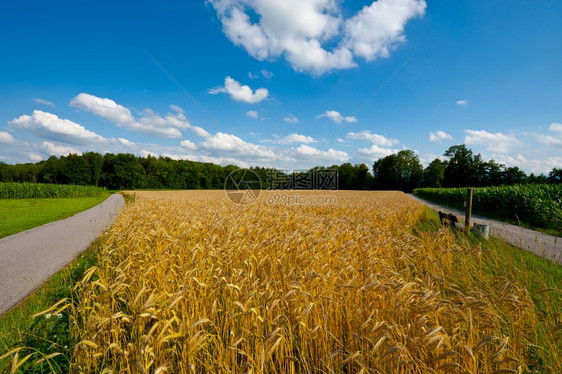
x: 189, y: 282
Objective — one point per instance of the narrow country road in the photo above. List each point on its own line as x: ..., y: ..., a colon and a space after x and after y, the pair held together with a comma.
x: 29, y: 258
x: 541, y: 244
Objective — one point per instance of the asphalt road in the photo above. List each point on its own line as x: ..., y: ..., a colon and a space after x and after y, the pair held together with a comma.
x: 31, y: 257
x: 541, y: 244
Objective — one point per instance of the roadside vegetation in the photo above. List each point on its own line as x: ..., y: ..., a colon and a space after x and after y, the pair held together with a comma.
x: 44, y: 342
x: 47, y: 191
x: 185, y: 283
x: 534, y: 206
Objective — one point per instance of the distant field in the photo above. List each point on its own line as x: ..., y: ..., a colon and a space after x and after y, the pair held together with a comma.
x: 22, y: 214
x: 535, y: 206
x: 190, y: 282
x: 45, y: 191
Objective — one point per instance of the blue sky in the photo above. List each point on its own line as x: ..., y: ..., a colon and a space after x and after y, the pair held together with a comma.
x: 282, y: 83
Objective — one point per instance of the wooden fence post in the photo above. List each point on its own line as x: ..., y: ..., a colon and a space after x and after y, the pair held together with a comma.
x: 468, y: 210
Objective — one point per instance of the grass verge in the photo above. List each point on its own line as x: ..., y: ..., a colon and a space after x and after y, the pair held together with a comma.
x: 40, y: 336
x: 542, y: 279
x: 22, y: 214
x: 500, y: 216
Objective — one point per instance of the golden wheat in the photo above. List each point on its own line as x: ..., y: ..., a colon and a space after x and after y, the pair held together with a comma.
x: 190, y: 282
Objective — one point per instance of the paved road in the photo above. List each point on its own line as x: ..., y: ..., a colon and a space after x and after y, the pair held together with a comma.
x: 541, y: 244
x: 29, y: 258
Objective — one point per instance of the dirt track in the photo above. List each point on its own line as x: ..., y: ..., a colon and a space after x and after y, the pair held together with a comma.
x: 29, y: 258
x: 541, y: 244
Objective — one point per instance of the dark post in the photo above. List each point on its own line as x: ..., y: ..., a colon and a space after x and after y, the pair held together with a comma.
x: 468, y: 209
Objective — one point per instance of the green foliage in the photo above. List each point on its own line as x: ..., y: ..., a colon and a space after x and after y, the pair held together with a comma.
x: 535, y: 205
x: 45, y: 191
x: 434, y: 174
x: 402, y: 171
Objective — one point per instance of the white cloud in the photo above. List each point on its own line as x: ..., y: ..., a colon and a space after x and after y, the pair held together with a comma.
x: 373, y: 138
x: 45, y: 102
x: 439, y: 136
x: 49, y: 126
x: 125, y: 142
x: 375, y: 152
x: 291, y: 139
x: 144, y: 153
x: 6, y: 137
x: 462, y: 102
x: 59, y: 150
x: 232, y: 144
x: 240, y: 92
x: 301, y: 30
x: 188, y: 144
x: 378, y: 28
x: 34, y: 157
x: 252, y: 114
x: 309, y: 153
x: 337, y: 117
x: 555, y: 127
x: 298, y: 138
x: 253, y: 76
x: 291, y: 119
x: 177, y: 108
x: 266, y: 74
x: 497, y: 143
x: 550, y: 140
x: 556, y: 140
x: 149, y: 122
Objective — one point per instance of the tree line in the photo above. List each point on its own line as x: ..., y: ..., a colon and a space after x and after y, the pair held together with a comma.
x: 461, y: 168
x: 400, y: 171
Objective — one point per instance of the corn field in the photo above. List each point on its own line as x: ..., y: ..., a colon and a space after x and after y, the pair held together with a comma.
x: 536, y: 205
x: 189, y: 282
x: 45, y: 191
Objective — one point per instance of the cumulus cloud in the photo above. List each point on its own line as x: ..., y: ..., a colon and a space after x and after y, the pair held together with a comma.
x: 297, y: 138
x: 149, y: 122
x: 462, y: 102
x: 177, y: 108
x: 252, y: 114
x: 313, y: 35
x: 439, y: 136
x: 497, y: 143
x: 6, y: 137
x: 50, y: 126
x: 375, y: 152
x: 234, y: 145
x: 373, y: 138
x: 555, y: 127
x: 550, y: 140
x: 291, y: 119
x: 378, y: 28
x: 556, y: 140
x: 59, y: 150
x: 34, y: 157
x: 45, y: 102
x: 188, y: 144
x: 239, y: 92
x: 291, y: 139
x: 331, y: 155
x: 337, y: 117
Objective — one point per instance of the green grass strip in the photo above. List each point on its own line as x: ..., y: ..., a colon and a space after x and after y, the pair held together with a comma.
x: 41, y: 336
x: 22, y: 214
